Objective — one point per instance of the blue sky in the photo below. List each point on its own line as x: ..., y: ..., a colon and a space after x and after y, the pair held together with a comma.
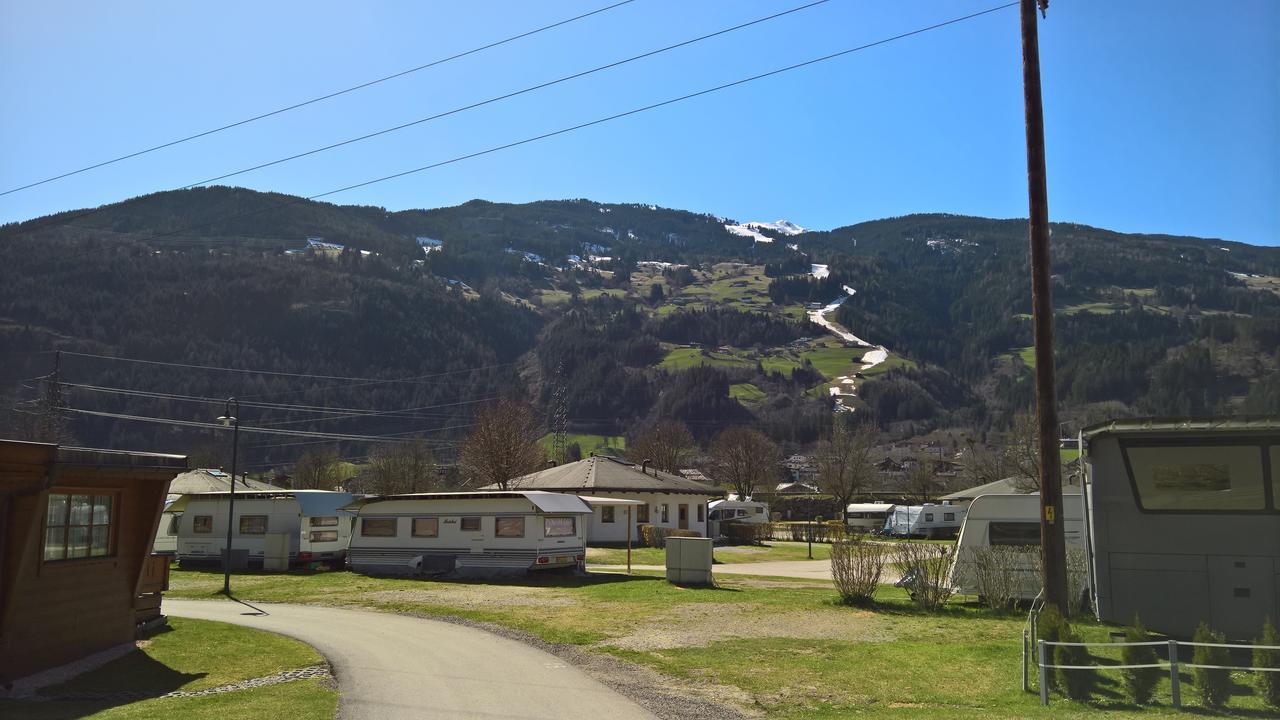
x: 1160, y: 116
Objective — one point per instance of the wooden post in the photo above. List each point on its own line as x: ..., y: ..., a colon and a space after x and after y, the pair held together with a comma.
x: 1053, y: 546
x: 629, y: 539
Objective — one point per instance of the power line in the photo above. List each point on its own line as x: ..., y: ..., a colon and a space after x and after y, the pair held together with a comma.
x: 216, y: 426
x: 321, y: 98
x: 591, y: 123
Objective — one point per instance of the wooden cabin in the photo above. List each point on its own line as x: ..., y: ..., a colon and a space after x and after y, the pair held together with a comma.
x: 76, y: 527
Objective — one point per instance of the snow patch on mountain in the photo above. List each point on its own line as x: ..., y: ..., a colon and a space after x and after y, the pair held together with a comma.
x: 747, y: 232
x: 782, y: 227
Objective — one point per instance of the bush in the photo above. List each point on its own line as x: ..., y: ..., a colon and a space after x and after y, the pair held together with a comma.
x: 1139, y: 683
x: 654, y: 536
x: 998, y: 572
x: 856, y: 567
x: 1268, y: 682
x: 1214, y: 686
x: 1049, y: 628
x: 925, y: 568
x: 1076, y: 684
x: 741, y: 533
x: 827, y: 531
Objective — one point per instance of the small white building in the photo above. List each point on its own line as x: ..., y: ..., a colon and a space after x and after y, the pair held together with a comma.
x: 670, y: 501
x: 303, y: 526
x: 468, y: 533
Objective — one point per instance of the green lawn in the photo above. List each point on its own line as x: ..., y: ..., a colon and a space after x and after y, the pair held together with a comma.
x: 836, y: 361
x: 782, y: 362
x: 685, y: 358
x: 727, y: 555
x: 194, y: 655
x: 746, y: 392
x: 893, y: 361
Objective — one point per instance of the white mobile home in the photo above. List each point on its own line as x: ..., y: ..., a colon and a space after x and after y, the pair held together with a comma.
x: 468, y: 533
x: 303, y: 526
x: 924, y: 521
x: 1010, y: 520
x: 866, y: 517
x: 669, y: 501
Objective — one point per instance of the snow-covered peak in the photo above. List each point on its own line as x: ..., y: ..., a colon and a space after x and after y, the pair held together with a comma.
x: 782, y: 227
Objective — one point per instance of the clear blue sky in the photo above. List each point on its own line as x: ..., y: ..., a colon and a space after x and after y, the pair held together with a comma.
x: 1160, y: 116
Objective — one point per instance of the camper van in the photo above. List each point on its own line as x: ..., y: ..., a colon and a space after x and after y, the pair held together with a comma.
x: 1010, y: 520
x: 866, y: 517
x: 272, y: 530
x: 1183, y: 523
x: 743, y: 511
x: 924, y: 521
x: 468, y: 534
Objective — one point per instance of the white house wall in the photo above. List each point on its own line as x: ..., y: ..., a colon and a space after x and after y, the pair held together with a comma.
x: 616, y: 532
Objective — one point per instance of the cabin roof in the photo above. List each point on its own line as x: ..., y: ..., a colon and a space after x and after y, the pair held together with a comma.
x: 1166, y: 425
x: 547, y: 502
x: 607, y: 474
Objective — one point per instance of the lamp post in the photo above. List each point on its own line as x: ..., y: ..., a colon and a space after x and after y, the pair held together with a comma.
x: 233, y: 422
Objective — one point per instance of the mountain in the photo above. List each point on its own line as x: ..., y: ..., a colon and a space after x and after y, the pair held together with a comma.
x: 632, y: 312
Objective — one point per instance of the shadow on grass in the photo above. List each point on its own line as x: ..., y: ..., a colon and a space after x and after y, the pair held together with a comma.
x: 123, y: 681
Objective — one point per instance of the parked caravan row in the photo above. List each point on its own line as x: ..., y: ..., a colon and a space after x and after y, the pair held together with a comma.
x: 269, y: 529
x: 924, y: 521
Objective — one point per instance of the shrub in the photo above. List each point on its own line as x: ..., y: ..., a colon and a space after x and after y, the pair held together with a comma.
x: 1049, y: 628
x: 1213, y: 685
x: 741, y: 533
x: 925, y: 568
x: 654, y: 536
x: 1077, y: 684
x: 1139, y: 683
x: 856, y: 567
x: 1268, y: 682
x: 998, y: 572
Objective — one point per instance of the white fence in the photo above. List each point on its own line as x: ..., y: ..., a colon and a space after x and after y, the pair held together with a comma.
x: 1173, y: 665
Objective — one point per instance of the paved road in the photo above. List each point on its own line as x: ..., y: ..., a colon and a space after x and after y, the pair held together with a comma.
x: 394, y: 666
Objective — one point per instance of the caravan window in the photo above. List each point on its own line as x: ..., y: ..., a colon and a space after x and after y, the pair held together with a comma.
x: 324, y: 522
x: 1013, y: 533
x: 253, y: 524
x: 471, y: 524
x: 378, y: 527
x: 1205, y: 478
x: 949, y: 517
x: 324, y: 535
x: 173, y: 525
x: 559, y: 527
x: 928, y: 517
x: 426, y: 527
x: 509, y: 527
x: 202, y: 524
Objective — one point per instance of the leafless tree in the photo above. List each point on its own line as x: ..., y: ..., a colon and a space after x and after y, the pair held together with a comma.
x: 1021, y: 455
x: 981, y: 465
x: 667, y: 444
x: 844, y: 460
x: 503, y: 445
x: 407, y: 467
x: 745, y: 458
x: 922, y: 483
x: 317, y: 470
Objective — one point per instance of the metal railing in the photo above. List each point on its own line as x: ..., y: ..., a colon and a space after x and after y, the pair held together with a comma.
x: 1173, y: 665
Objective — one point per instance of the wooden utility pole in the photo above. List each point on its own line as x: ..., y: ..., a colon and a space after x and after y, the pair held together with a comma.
x: 1053, y: 551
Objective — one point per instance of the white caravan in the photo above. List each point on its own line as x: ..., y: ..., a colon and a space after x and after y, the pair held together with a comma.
x: 166, y: 541
x: 297, y: 526
x: 743, y: 511
x: 469, y: 534
x: 926, y: 521
x: 866, y: 517
x: 1011, y: 520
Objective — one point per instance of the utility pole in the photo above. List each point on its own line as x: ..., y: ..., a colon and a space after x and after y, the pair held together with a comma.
x: 228, y: 419
x: 1053, y: 551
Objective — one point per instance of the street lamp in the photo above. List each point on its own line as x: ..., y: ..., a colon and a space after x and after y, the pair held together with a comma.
x: 231, y: 421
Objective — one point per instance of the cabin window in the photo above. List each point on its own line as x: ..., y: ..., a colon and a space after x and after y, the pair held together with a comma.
x: 1013, y: 533
x: 253, y: 524
x: 948, y: 517
x: 324, y: 522
x: 928, y: 517
x: 702, y: 512
x: 606, y: 514
x: 324, y: 535
x: 642, y: 514
x: 378, y: 527
x: 471, y: 524
x: 559, y: 527
x: 202, y: 524
x: 666, y: 513
x: 508, y: 527
x: 77, y: 526
x: 426, y: 527
x: 1206, y: 478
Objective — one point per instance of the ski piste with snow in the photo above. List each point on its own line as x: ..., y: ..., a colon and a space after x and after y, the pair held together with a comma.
x: 844, y: 386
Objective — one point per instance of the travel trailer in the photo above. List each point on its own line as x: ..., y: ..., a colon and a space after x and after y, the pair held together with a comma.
x: 468, y: 534
x: 272, y: 530
x: 166, y: 540
x: 866, y: 517
x: 743, y: 511
x: 1183, y: 523
x: 1011, y: 520
x: 924, y: 521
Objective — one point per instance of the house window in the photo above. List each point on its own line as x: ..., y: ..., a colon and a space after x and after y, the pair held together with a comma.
x: 471, y: 524
x: 666, y: 514
x: 642, y: 514
x: 324, y: 535
x: 324, y: 522
x: 77, y: 526
x: 928, y: 517
x: 702, y: 512
x: 949, y: 517
x: 202, y: 524
x: 253, y: 524
x: 559, y: 527
x: 606, y: 514
x: 378, y: 527
x: 426, y: 527
x: 508, y: 527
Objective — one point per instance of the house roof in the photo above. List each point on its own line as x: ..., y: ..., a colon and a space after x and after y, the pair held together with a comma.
x: 606, y: 474
x: 207, y: 480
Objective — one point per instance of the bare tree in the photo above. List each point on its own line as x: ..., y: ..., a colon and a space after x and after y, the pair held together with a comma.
x: 745, y: 458
x: 922, y: 483
x: 844, y: 461
x: 407, y: 467
x: 317, y: 470
x: 666, y: 444
x: 982, y: 466
x: 503, y: 445
x: 1021, y: 455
